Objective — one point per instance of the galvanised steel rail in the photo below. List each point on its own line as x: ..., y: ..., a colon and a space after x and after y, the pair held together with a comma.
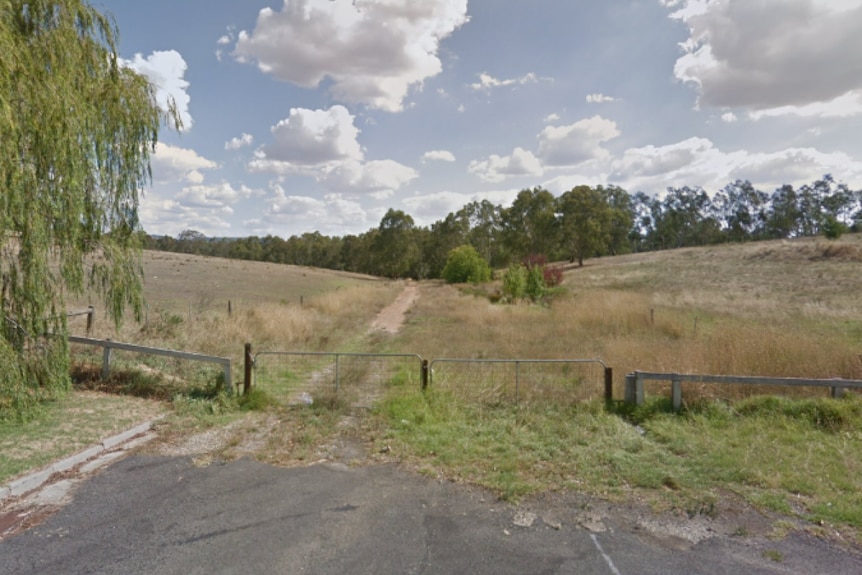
x: 109, y: 345
x: 634, y: 389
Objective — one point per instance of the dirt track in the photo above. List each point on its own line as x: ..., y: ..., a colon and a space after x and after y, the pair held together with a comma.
x: 391, y: 318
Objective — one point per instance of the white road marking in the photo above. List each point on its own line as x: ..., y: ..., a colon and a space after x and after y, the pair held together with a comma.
x: 610, y: 563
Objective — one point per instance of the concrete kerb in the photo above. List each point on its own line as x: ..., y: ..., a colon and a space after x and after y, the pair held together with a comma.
x: 36, y: 479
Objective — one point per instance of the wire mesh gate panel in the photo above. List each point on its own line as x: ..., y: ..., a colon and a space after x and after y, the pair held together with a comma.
x: 303, y: 377
x: 521, y: 381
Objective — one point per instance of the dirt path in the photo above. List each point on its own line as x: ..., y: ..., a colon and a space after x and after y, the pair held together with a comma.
x: 391, y: 318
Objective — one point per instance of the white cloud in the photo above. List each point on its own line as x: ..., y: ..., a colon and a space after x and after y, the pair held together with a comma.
x: 333, y: 214
x: 225, y: 40
x: 576, y: 143
x: 323, y: 144
x: 486, y: 81
x: 729, y: 118
x: 698, y: 162
x: 849, y: 104
x: 313, y: 137
x: 372, y: 50
x: 498, y: 168
x: 429, y: 208
x: 169, y: 217
x: 551, y: 118
x: 599, y: 99
x: 559, y: 147
x: 773, y: 57
x: 378, y: 178
x: 239, y: 142
x: 174, y: 164
x: 220, y: 196
x: 796, y: 166
x: 166, y: 71
x: 438, y: 155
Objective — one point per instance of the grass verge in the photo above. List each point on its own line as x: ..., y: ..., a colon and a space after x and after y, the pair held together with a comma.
x: 68, y: 425
x: 796, y: 457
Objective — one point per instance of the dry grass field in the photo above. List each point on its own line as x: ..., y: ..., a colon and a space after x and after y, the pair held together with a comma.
x: 187, y: 310
x: 790, y: 309
x: 774, y: 308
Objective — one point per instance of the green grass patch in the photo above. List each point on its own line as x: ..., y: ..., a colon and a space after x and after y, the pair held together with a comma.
x: 769, y: 451
x: 66, y: 426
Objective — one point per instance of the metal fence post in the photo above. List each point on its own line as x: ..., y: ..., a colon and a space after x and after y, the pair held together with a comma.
x: 425, y: 371
x: 517, y: 379
x: 629, y: 390
x: 676, y: 394
x: 106, y: 361
x: 336, y: 373
x: 249, y: 364
x: 634, y: 394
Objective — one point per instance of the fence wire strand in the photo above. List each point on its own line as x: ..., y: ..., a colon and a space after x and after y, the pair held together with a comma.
x: 519, y: 381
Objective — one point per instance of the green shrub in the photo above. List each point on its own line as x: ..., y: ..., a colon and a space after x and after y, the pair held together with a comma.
x: 832, y: 228
x: 536, y: 288
x: 464, y: 264
x: 515, y: 282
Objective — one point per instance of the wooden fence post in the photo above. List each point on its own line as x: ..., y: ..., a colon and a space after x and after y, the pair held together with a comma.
x: 249, y: 363
x: 90, y: 312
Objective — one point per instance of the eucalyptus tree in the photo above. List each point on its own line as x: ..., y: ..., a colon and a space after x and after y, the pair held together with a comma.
x: 742, y: 211
x: 622, y: 220
x: 444, y: 236
x: 485, y: 230
x: 77, y: 131
x: 783, y: 218
x: 394, y: 249
x: 585, y: 223
x: 529, y: 225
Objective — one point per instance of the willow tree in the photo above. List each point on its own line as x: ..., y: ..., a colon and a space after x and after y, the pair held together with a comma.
x: 76, y: 133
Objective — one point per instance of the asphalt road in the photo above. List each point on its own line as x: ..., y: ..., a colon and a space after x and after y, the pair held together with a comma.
x: 164, y: 515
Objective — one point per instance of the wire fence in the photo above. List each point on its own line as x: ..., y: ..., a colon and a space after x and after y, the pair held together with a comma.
x: 521, y: 381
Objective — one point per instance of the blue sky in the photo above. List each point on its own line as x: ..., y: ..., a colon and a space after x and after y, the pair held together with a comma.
x: 319, y: 115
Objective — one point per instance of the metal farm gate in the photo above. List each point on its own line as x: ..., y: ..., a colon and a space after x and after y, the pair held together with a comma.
x: 362, y: 378
x: 520, y: 381
x: 309, y: 376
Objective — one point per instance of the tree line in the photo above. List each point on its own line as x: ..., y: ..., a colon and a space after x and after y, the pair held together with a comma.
x: 581, y: 223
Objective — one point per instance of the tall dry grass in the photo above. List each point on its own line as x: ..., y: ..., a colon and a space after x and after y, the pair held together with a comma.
x: 783, y: 309
x: 329, y: 321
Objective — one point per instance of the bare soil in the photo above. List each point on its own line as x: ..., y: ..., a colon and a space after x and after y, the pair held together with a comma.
x: 391, y: 318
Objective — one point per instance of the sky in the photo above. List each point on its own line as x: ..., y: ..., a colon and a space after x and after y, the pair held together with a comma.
x: 320, y: 115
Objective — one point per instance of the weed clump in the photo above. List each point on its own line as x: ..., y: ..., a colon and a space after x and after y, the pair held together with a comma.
x: 831, y: 415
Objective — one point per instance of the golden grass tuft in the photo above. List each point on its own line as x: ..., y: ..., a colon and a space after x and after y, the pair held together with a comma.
x: 728, y: 310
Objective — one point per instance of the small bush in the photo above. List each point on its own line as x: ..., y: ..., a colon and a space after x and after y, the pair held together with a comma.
x: 553, y: 275
x: 464, y: 264
x: 534, y: 261
x: 832, y: 228
x: 255, y: 400
x: 536, y: 288
x: 515, y: 282
x: 521, y: 281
